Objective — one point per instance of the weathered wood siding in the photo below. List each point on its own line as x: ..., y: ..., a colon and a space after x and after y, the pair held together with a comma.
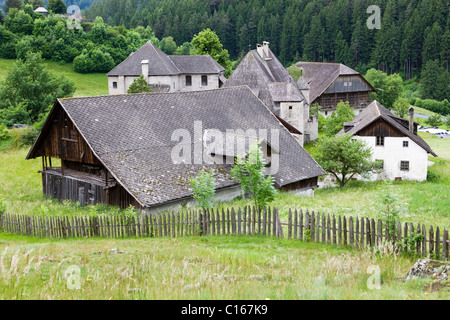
x: 352, y: 83
x: 62, y: 140
x: 70, y: 188
x: 380, y: 128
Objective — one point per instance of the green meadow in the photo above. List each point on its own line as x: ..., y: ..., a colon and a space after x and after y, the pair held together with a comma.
x: 92, y: 84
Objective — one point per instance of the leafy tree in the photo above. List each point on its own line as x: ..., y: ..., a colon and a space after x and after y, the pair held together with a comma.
x: 1, y: 16
x: 250, y: 172
x: 9, y: 4
x: 168, y: 45
x: 93, y: 59
x: 207, y: 42
x: 139, y: 85
x: 345, y: 157
x: 295, y: 72
x: 434, y: 121
x: 31, y: 88
x: 388, y: 88
x: 56, y: 6
x: 204, y: 188
x: 19, y: 22
x: 401, y: 107
x: 343, y: 113
x: 35, y: 3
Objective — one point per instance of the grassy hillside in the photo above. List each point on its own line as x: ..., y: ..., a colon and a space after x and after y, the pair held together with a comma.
x: 92, y: 84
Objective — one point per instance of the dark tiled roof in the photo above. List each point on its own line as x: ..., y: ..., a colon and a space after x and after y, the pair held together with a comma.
x: 375, y: 111
x: 268, y: 79
x: 160, y: 64
x: 319, y: 76
x: 197, y: 64
x: 132, y: 136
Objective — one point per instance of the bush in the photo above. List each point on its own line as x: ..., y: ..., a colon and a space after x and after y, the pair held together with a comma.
x: 24, y: 137
x: 434, y: 120
x: 5, y: 135
x: 441, y: 107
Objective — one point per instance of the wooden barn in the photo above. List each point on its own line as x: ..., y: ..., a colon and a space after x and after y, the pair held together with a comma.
x: 118, y: 150
x: 330, y: 83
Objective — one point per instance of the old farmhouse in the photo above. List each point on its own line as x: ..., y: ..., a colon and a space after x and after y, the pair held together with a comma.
x: 327, y: 84
x: 270, y: 81
x: 120, y: 149
x: 166, y: 73
x: 394, y: 141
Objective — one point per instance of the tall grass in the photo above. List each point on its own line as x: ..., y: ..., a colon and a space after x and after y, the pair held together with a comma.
x: 224, y: 267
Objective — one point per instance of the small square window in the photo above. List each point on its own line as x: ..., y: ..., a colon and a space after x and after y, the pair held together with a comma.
x: 405, y: 144
x: 114, y: 85
x: 404, y: 165
x: 380, y: 141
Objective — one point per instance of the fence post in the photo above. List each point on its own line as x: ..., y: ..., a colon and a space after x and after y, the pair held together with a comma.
x: 1, y: 221
x: 445, y: 245
x: 279, y: 227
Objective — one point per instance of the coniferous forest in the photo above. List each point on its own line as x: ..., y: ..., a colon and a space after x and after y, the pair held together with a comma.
x: 412, y: 33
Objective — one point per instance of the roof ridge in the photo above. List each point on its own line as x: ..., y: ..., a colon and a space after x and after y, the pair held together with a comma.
x: 162, y: 60
x: 154, y: 93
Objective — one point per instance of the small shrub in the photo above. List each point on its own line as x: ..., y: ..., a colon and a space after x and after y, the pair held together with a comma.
x: 25, y: 137
x: 434, y: 120
x: 3, y: 206
x: 433, y: 176
x: 204, y: 188
x: 5, y: 135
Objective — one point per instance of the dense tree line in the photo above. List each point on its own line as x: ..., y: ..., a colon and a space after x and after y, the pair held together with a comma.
x: 412, y: 32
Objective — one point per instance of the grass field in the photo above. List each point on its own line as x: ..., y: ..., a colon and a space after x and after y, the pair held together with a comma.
x: 92, y: 84
x: 222, y: 267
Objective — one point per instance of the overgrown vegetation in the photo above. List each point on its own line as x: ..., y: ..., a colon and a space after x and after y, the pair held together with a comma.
x: 251, y: 174
x: 204, y: 188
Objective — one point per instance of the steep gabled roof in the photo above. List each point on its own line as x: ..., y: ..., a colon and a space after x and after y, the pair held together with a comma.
x: 375, y: 111
x: 268, y: 79
x: 319, y: 76
x: 132, y: 135
x: 160, y: 64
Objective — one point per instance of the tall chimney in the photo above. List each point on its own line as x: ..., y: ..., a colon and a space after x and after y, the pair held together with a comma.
x: 411, y: 119
x: 145, y: 69
x: 260, y: 50
x: 266, y: 48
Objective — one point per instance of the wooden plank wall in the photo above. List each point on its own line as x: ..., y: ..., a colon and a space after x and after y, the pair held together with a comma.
x: 304, y: 226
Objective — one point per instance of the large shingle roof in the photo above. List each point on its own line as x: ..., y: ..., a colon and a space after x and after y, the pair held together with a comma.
x: 319, y: 76
x: 268, y: 79
x: 160, y: 64
x: 132, y: 136
x: 375, y: 111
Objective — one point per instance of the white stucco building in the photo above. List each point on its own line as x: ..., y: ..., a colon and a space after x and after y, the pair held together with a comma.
x: 394, y: 141
x: 166, y: 73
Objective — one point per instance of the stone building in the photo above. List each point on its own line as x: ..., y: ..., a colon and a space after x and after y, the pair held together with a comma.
x: 166, y: 73
x: 274, y: 86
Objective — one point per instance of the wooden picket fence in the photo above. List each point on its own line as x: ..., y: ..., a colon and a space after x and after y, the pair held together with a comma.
x: 315, y: 227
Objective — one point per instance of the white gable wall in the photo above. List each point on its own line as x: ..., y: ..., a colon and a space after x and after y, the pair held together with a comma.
x: 176, y: 83
x: 393, y: 152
